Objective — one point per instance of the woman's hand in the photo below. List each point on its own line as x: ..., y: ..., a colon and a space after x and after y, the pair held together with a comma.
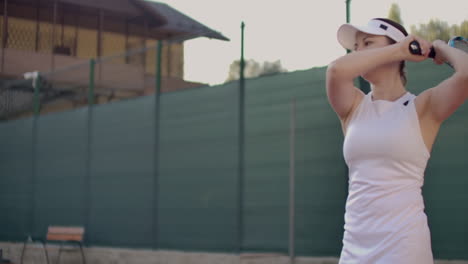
x: 405, y: 48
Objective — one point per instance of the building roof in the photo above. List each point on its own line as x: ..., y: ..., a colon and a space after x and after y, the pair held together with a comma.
x: 164, y: 22
x: 179, y: 25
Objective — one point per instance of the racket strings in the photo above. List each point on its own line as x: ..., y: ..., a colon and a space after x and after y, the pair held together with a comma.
x: 461, y: 44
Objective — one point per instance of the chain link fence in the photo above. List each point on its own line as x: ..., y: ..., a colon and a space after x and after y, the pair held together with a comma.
x: 76, y: 82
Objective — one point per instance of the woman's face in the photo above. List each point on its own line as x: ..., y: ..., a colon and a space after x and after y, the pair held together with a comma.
x: 367, y: 41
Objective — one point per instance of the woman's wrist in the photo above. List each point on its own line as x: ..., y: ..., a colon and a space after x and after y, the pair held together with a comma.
x: 437, y: 43
x: 400, y: 51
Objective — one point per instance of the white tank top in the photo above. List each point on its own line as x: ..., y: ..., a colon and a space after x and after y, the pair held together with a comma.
x: 386, y: 156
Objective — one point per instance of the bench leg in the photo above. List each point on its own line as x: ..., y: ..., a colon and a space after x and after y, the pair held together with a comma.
x: 82, y: 254
x: 46, y: 254
x: 59, y: 252
x: 23, y: 251
x: 83, y: 259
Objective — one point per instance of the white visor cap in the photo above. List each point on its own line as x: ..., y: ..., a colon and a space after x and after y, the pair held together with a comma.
x: 347, y: 32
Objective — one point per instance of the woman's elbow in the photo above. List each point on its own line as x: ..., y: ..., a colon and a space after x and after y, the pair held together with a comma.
x: 333, y: 72
x: 462, y: 76
x: 336, y: 75
x: 333, y: 68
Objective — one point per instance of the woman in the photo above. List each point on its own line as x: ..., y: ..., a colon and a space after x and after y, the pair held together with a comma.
x: 389, y: 134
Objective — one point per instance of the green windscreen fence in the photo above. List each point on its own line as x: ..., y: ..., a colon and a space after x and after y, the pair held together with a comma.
x: 122, y: 174
x: 320, y: 172
x: 446, y: 175
x: 59, y: 179
x: 148, y: 173
x: 198, y: 169
x: 16, y: 185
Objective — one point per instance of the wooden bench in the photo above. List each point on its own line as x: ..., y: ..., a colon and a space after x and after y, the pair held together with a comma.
x: 66, y: 234
x: 62, y: 234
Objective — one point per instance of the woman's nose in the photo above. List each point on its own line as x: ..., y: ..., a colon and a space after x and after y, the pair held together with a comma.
x: 357, y: 46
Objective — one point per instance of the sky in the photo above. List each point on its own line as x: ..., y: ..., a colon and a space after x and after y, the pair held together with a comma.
x: 299, y: 33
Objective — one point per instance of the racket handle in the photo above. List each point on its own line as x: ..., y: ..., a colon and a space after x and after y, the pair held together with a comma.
x: 415, y: 49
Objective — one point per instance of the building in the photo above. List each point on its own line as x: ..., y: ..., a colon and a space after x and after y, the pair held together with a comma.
x: 59, y: 37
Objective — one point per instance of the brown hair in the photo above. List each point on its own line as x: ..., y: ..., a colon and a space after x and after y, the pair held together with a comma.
x: 403, y: 30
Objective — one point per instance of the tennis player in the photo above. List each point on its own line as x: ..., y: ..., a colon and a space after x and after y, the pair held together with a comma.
x: 389, y: 133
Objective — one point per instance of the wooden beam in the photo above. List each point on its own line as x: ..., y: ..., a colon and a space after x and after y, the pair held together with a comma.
x: 5, y: 32
x: 62, y: 27
x: 127, y: 44
x: 145, y: 51
x: 52, y: 67
x: 145, y: 37
x: 99, y: 40
x: 38, y: 27
x: 77, y: 26
x: 169, y: 58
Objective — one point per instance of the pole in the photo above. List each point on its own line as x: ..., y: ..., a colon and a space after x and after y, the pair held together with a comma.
x: 35, y: 130
x: 92, y: 64
x: 242, y: 61
x: 157, y: 116
x: 240, y: 187
x: 348, y: 11
x: 37, y: 100
x: 292, y: 193
x: 363, y: 84
x: 348, y: 16
x: 89, y: 144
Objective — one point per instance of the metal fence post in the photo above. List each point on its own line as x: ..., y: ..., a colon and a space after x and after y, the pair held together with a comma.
x: 363, y: 84
x: 92, y: 64
x: 157, y: 110
x: 240, y: 186
x: 87, y: 180
x: 292, y: 182
x: 36, y: 98
x: 36, y: 83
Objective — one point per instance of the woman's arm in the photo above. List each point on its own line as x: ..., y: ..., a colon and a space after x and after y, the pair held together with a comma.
x: 341, y: 92
x: 441, y: 101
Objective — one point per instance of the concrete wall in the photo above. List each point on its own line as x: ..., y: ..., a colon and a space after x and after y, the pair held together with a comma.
x: 99, y: 255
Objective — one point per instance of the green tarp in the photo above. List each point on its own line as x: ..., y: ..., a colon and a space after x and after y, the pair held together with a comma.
x: 99, y: 169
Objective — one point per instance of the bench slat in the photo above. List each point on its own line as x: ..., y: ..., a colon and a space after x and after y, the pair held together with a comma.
x: 64, y: 237
x: 62, y: 233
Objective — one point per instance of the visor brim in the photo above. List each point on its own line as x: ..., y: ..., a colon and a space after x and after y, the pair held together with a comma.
x: 347, y: 34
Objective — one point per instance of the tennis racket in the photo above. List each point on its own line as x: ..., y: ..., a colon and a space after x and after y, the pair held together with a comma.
x: 458, y: 42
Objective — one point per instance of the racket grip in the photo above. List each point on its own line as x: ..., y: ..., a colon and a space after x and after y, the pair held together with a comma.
x: 415, y: 49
